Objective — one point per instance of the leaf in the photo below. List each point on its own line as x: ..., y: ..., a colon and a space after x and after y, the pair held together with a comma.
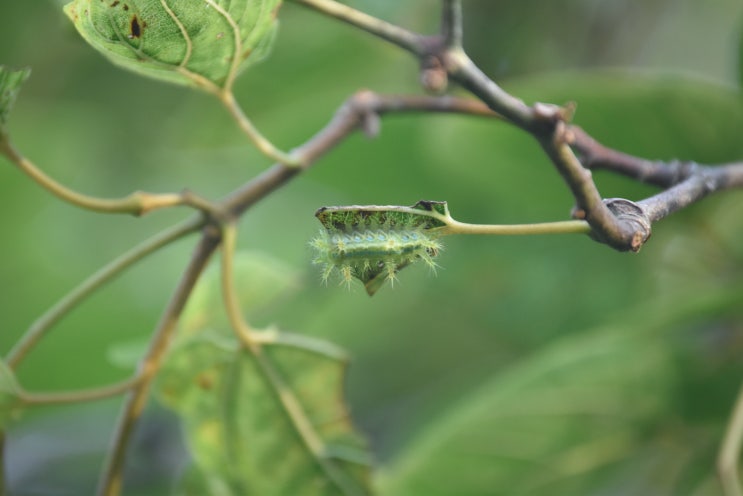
x: 202, y: 43
x: 9, y: 395
x: 240, y: 434
x: 10, y: 85
x: 558, y: 424
x: 740, y: 55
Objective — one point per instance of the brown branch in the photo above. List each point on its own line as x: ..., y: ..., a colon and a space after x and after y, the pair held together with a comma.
x: 361, y: 111
x: 685, y: 182
x: 596, y: 156
x: 451, y: 23
x: 111, y: 480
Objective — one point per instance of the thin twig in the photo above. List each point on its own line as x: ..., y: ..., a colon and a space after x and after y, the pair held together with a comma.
x: 43, y: 324
x: 137, y: 203
x: 229, y: 294
x: 293, y: 408
x: 29, y: 398
x: 396, y: 35
x: 261, y: 142
x: 112, y: 478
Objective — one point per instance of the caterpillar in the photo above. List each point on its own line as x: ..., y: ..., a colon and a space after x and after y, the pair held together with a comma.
x: 373, y: 243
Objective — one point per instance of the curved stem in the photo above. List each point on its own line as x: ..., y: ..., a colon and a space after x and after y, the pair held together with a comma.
x: 561, y: 227
x: 231, y: 301
x: 252, y: 343
x: 29, y: 398
x: 42, y: 325
x: 261, y: 142
x: 727, y: 462
x: 396, y: 35
x: 137, y: 203
x: 112, y: 478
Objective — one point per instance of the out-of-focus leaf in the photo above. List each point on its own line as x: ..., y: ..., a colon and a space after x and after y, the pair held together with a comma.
x: 549, y: 426
x: 185, y: 42
x: 740, y: 55
x: 10, y: 85
x: 261, y: 281
x: 243, y: 438
x: 9, y: 401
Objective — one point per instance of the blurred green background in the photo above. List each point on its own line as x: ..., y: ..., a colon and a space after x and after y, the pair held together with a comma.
x: 526, y: 365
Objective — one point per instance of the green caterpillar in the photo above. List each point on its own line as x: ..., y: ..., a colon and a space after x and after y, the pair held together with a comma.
x: 373, y: 243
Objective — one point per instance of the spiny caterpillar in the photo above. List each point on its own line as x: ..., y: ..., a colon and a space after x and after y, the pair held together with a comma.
x: 373, y: 243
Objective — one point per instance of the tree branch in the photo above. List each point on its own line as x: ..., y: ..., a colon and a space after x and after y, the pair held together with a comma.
x: 396, y: 35
x: 451, y: 24
x: 595, y: 156
x: 112, y: 478
x: 363, y: 111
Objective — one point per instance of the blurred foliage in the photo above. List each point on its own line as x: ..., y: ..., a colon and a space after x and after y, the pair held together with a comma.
x: 473, y: 371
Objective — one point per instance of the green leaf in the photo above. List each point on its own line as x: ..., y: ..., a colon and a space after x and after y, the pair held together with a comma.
x: 9, y: 398
x: 243, y: 439
x: 557, y: 424
x: 10, y: 85
x: 202, y: 43
x: 740, y: 55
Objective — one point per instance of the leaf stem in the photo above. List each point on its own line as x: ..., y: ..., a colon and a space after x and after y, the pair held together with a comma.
x: 231, y: 301
x: 728, y: 459
x: 137, y: 203
x: 253, y: 345
x: 261, y: 142
x: 560, y: 227
x: 43, y: 324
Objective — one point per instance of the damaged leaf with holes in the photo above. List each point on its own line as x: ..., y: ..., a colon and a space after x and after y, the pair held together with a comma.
x: 201, y: 43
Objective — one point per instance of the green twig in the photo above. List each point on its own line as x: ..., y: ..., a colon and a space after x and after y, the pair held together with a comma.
x: 229, y: 295
x: 137, y: 203
x: 29, y: 398
x: 42, y: 325
x: 261, y: 142
x: 252, y: 344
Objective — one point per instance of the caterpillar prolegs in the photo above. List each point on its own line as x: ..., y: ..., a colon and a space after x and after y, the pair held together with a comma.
x: 373, y: 243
